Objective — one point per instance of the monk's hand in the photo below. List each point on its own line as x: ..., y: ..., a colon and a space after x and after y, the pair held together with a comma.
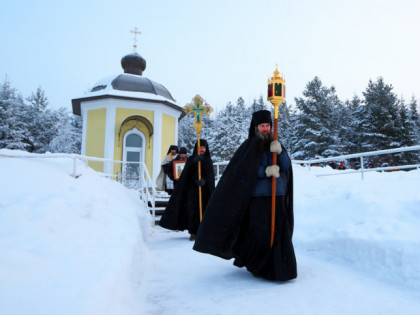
x: 275, y: 146
x: 201, y: 182
x: 272, y: 171
x: 198, y: 158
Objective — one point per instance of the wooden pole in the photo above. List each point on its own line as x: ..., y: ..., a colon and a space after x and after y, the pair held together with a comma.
x: 273, y: 183
x: 199, y: 178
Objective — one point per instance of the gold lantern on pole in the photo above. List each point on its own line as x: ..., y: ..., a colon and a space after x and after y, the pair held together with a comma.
x: 276, y: 95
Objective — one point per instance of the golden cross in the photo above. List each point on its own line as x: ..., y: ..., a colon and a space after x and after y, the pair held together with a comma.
x: 135, y: 31
x: 198, y: 109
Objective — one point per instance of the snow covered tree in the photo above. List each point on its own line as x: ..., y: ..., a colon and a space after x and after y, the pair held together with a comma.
x: 344, y: 139
x: 286, y: 126
x: 68, y: 139
x: 186, y: 133
x: 243, y: 119
x: 382, y: 114
x: 32, y: 127
x: 317, y: 127
x: 258, y: 105
x: 228, y: 133
x: 262, y: 105
x: 254, y: 106
x: 42, y: 123
x: 38, y: 100
x: 408, y: 136
x: 359, y: 126
x: 39, y: 123
x: 208, y: 131
x: 414, y: 117
x: 13, y: 132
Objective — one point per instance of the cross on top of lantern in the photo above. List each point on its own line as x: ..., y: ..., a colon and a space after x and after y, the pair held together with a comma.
x: 198, y: 109
x: 276, y: 88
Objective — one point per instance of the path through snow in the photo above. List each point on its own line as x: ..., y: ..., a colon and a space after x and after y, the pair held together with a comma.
x: 182, y: 281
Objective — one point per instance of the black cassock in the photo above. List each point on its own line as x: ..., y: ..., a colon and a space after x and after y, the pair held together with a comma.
x: 238, y: 225
x: 182, y: 211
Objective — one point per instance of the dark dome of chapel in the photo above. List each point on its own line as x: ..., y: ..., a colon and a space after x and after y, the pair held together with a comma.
x: 132, y: 80
x: 133, y: 64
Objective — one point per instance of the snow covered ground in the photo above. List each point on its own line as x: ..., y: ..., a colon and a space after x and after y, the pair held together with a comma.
x: 87, y: 246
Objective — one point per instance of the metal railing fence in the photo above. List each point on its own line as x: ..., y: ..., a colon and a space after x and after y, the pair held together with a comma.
x: 361, y: 156
x: 145, y: 185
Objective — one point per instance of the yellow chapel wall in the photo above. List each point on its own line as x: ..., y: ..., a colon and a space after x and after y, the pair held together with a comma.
x: 95, y: 137
x: 120, y: 115
x: 168, y: 134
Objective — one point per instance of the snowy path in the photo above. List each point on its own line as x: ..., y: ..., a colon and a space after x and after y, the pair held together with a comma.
x: 182, y: 281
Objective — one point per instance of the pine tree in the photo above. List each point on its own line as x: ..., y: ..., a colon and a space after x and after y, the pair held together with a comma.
x: 342, y: 117
x: 382, y: 114
x: 286, y: 127
x: 243, y: 117
x: 187, y: 136
x: 69, y: 137
x: 414, y: 117
x: 13, y: 134
x: 408, y: 136
x: 38, y: 100
x: 359, y: 126
x: 262, y: 104
x: 207, y: 132
x: 316, y: 128
x: 254, y: 106
x: 228, y: 138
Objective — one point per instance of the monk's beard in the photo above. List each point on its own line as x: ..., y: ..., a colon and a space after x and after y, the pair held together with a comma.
x: 263, y: 140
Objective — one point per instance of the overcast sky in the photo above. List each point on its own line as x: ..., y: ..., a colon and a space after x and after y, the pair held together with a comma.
x: 218, y: 49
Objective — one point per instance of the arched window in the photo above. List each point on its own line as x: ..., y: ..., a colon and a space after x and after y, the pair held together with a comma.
x: 133, y: 151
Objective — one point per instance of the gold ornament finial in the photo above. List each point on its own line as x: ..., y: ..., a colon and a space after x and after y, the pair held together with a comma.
x: 276, y: 72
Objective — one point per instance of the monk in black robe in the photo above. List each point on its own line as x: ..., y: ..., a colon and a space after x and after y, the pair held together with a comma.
x: 163, y: 181
x: 237, y: 222
x: 182, y: 212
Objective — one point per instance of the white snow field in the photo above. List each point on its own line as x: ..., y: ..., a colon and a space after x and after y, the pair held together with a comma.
x: 87, y: 245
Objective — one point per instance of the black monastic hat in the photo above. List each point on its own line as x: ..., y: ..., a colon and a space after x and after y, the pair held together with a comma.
x: 173, y: 147
x: 260, y: 117
x: 203, y: 143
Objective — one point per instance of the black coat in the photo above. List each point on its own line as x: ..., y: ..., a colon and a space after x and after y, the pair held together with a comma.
x: 221, y: 232
x: 182, y: 211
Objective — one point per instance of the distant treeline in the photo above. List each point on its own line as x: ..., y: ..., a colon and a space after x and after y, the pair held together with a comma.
x: 28, y: 124
x: 317, y: 125
x: 320, y: 125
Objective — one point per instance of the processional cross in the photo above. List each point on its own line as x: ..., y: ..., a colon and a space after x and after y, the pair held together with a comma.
x: 198, y: 109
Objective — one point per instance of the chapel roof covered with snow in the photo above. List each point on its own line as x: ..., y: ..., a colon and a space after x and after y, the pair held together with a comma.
x: 130, y: 85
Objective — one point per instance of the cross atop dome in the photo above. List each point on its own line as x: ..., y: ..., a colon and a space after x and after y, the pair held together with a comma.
x: 135, y: 32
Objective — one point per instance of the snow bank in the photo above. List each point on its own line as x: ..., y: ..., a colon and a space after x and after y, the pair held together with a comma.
x: 68, y: 246
x: 371, y: 224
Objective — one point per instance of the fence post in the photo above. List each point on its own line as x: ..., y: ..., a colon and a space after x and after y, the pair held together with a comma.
x: 74, y: 165
x: 361, y: 166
